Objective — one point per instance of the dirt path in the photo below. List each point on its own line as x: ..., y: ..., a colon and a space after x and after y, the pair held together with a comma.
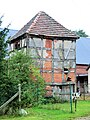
x: 83, y: 118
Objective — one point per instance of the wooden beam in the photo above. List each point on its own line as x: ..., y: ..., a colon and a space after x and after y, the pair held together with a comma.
x: 7, y: 102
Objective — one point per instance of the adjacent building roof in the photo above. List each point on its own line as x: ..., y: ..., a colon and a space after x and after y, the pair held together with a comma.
x: 81, y: 70
x: 83, y: 51
x: 44, y: 25
x: 10, y: 33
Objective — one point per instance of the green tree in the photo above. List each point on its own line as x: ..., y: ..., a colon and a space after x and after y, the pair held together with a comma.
x: 81, y: 33
x: 21, y: 70
x: 3, y: 53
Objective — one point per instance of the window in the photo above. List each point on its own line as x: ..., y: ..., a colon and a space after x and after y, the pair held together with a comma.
x: 17, y: 45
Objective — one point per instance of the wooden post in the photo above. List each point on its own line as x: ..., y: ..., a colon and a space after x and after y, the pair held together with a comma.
x: 84, y: 90
x: 52, y: 60
x: 19, y: 96
x: 75, y: 102
x: 70, y: 98
x: 75, y: 66
x: 63, y: 61
x: 41, y: 59
x: 63, y: 69
x: 11, y: 99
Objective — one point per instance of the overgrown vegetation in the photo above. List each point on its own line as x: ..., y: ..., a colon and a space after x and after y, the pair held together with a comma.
x: 21, y: 70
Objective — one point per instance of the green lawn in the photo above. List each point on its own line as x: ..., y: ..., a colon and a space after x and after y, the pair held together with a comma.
x: 54, y: 112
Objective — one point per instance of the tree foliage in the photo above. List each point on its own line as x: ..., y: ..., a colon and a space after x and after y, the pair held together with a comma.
x: 21, y: 70
x: 81, y: 33
x: 3, y: 66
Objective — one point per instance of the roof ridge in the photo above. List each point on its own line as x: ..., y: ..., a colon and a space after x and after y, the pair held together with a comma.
x: 34, y: 22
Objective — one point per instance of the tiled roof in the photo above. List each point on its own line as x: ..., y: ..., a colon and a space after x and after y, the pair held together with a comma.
x: 43, y: 24
x: 81, y: 69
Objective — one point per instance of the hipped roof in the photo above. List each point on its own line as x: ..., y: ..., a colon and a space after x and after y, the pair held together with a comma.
x: 44, y: 25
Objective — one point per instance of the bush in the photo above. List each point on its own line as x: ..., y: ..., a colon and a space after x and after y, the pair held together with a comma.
x: 21, y: 70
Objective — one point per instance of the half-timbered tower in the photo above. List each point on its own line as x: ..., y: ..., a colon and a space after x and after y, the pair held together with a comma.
x: 52, y: 45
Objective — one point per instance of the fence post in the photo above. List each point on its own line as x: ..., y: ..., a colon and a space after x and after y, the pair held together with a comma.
x: 70, y: 98
x: 75, y: 102
x: 19, y: 96
x: 84, y: 90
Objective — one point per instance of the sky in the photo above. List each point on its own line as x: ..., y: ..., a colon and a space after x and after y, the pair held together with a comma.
x: 72, y: 14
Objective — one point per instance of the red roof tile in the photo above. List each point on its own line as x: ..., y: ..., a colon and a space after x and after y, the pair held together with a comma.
x: 43, y: 24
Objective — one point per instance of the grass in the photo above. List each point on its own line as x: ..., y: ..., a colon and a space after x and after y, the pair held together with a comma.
x: 53, y: 112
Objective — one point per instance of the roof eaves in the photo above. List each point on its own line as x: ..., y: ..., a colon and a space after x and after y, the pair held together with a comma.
x: 53, y: 37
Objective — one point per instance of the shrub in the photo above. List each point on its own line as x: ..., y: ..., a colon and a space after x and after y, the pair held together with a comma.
x: 21, y: 70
